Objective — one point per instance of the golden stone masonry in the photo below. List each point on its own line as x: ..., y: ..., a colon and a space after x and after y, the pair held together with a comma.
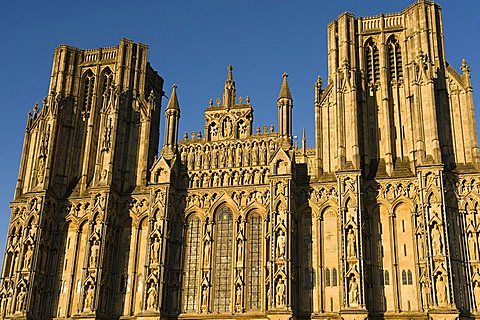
x: 381, y: 219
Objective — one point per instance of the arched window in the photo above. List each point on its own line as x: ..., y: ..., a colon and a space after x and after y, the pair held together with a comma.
x: 372, y: 62
x: 387, y: 278
x: 223, y: 260
x: 107, y: 82
x: 88, y: 89
x: 327, y: 277
x: 254, y: 245
x: 334, y: 277
x: 409, y: 277
x: 192, y: 245
x: 394, y: 59
x: 404, y: 277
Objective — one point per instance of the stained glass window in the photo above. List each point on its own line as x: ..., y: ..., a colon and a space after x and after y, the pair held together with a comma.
x: 192, y: 245
x: 223, y: 261
x: 254, y: 261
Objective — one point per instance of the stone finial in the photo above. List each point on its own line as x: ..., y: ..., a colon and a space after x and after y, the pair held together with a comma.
x: 272, y: 128
x: 173, y: 101
x: 257, y: 130
x: 36, y: 107
x: 465, y: 67
x: 285, y: 90
x: 210, y: 103
x: 319, y: 83
x: 185, y: 136
x: 199, y: 134
x: 247, y: 100
x: 230, y: 73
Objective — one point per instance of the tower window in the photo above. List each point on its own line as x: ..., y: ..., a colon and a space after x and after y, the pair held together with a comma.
x: 327, y: 277
x: 372, y: 62
x: 394, y: 60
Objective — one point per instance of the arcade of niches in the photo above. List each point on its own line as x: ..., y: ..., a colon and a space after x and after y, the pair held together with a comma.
x: 379, y: 219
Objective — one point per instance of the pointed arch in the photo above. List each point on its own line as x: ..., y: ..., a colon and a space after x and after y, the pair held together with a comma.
x: 394, y: 58
x: 372, y: 61
x: 191, y: 263
x: 222, y: 276
x: 254, y: 260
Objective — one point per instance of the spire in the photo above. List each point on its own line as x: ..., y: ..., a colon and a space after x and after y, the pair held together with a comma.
x: 285, y: 90
x: 229, y: 92
x: 173, y: 102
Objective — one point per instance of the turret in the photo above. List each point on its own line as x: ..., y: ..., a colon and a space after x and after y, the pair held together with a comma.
x: 229, y: 92
x: 172, y: 117
x: 285, y: 105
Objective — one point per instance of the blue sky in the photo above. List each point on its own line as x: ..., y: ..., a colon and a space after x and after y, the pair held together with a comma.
x: 191, y: 43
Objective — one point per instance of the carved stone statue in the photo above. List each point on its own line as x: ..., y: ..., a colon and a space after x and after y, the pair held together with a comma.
x: 472, y: 246
x: 280, y: 289
x: 204, y: 298
x: 238, y: 296
x: 206, y: 254
x: 21, y: 299
x: 425, y: 294
x: 239, y: 253
x: 88, y: 305
x: 353, y: 292
x: 154, y: 250
x: 152, y: 297
x: 281, y: 243
x: 351, y: 243
x: 94, y: 250
x: 437, y: 241
x: 441, y: 290
x: 476, y: 293
x: 28, y: 257
x: 227, y: 128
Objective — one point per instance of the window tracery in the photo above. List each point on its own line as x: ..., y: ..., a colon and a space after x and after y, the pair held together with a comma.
x: 223, y: 261
x: 372, y: 62
x: 394, y: 59
x: 192, y: 243
x: 254, y: 261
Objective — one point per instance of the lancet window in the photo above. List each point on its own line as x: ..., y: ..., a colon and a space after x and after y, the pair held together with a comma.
x: 192, y: 243
x: 223, y: 260
x: 372, y: 62
x: 394, y: 59
x: 254, y: 261
x: 88, y: 90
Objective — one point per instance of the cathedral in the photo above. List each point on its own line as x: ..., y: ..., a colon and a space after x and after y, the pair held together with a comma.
x: 379, y: 220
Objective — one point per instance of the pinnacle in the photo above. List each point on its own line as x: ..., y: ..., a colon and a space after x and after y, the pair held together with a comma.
x: 285, y: 90
x: 173, y: 101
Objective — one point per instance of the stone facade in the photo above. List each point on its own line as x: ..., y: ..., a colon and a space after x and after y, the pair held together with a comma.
x: 380, y: 219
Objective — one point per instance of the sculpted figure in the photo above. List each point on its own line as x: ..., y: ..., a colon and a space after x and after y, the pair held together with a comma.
x: 281, y: 242
x: 351, y: 243
x: 255, y: 154
x: 152, y: 297
x: 94, y: 253
x: 227, y: 132
x: 437, y: 241
x: 154, y: 250
x: 476, y: 293
x: 28, y: 257
x: 238, y: 156
x: 441, y: 290
x: 204, y: 298
x: 238, y: 296
x: 353, y: 291
x: 263, y: 153
x: 240, y: 253
x: 472, y: 246
x: 190, y: 159
x: 88, y: 306
x: 280, y: 288
x: 206, y: 254
x: 21, y: 299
